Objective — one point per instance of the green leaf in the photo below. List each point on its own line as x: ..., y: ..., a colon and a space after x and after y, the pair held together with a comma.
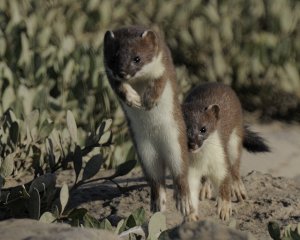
x: 76, y: 216
x: 157, y: 224
x: 139, y: 216
x: 1, y: 184
x: 92, y: 167
x: 286, y: 238
x: 119, y: 227
x: 55, y: 211
x: 105, y: 138
x: 107, y: 124
x: 287, y: 231
x: 8, y: 98
x: 50, y: 153
x: 104, y: 127
x: 47, y: 217
x: 34, y: 206
x: 295, y: 234
x: 77, y: 213
x: 72, y: 127
x: 32, y: 119
x: 77, y: 161
x: 67, y: 73
x: 106, y: 225
x: 89, y: 221
x: 11, y: 116
x: 43, y: 182
x: 7, y: 166
x: 25, y: 57
x: 64, y: 197
x: 14, y: 132
x: 36, y: 156
x: 7, y: 74
x: 130, y: 222
x: 124, y: 168
x: 130, y: 154
x: 46, y: 129
x: 274, y: 230
x: 3, y: 45
x: 25, y: 194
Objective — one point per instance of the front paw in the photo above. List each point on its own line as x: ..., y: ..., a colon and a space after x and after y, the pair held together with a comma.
x: 183, y: 204
x: 149, y: 102
x: 224, y: 209
x: 205, y: 191
x: 159, y: 205
x: 132, y: 98
x: 193, y: 217
x: 238, y: 190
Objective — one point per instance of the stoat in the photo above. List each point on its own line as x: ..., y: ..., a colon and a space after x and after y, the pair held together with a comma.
x: 140, y: 70
x: 216, y: 135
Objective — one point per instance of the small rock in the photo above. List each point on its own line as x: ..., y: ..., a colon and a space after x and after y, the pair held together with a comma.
x: 206, y: 230
x: 21, y: 229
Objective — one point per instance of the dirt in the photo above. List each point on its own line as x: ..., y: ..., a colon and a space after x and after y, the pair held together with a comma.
x: 269, y: 198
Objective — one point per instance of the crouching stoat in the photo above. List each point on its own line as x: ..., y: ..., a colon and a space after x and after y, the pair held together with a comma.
x: 216, y: 135
x: 140, y: 70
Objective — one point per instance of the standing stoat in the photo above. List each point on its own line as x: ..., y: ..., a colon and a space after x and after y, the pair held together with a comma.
x: 216, y: 135
x: 141, y: 72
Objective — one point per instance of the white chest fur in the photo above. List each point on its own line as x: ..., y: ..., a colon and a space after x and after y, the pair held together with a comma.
x: 156, y: 133
x: 210, y: 160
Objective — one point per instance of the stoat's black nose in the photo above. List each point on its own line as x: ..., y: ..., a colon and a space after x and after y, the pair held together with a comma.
x: 122, y: 74
x: 192, y: 146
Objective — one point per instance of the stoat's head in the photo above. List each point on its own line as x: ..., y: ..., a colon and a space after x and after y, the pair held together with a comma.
x: 200, y: 122
x: 132, y: 52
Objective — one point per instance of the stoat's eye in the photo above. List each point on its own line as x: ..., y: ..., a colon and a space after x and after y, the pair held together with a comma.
x: 136, y: 59
x: 203, y: 130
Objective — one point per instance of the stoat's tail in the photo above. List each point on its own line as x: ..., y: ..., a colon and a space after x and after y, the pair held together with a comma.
x: 253, y: 142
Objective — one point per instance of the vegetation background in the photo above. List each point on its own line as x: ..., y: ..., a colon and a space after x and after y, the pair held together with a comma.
x: 51, y: 60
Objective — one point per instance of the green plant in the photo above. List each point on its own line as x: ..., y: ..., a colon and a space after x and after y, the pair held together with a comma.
x: 134, y: 226
x: 32, y: 146
x: 288, y: 233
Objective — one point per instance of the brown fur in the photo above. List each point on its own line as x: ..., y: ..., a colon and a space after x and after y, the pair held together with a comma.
x: 126, y: 42
x: 216, y: 107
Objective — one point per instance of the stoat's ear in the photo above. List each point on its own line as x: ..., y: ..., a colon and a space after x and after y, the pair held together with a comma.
x: 149, y: 36
x: 108, y: 37
x: 215, y: 109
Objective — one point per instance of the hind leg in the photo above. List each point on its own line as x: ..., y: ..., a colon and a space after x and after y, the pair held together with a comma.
x: 224, y: 207
x: 156, y: 180
x: 238, y: 189
x: 206, y: 189
x: 182, y: 194
x: 179, y: 171
x: 155, y: 171
x: 221, y: 178
x: 176, y: 160
x: 194, y: 177
x: 234, y: 151
x: 158, y: 197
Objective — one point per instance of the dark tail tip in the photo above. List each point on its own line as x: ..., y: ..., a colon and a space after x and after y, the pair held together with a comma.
x: 253, y: 142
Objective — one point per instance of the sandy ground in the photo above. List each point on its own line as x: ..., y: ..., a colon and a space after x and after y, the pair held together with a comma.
x: 269, y: 199
x: 284, y: 158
